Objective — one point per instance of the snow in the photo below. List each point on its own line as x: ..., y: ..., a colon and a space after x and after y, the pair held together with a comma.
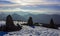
x: 29, y: 31
x: 37, y: 31
x: 2, y: 23
x: 15, y: 22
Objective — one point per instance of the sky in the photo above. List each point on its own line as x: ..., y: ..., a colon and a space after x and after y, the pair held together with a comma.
x: 31, y: 6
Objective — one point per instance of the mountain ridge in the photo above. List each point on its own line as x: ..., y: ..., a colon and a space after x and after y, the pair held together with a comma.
x: 37, y: 18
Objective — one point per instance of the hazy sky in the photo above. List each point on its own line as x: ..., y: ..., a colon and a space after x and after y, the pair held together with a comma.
x: 32, y: 6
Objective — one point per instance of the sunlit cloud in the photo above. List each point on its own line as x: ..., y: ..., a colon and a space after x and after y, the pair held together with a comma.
x: 33, y: 2
x: 36, y: 2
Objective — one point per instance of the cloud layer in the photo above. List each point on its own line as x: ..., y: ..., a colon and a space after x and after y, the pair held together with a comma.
x: 32, y: 6
x: 36, y: 2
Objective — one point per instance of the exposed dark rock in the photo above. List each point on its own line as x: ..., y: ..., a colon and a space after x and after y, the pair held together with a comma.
x: 30, y: 21
x: 52, y: 25
x: 10, y: 25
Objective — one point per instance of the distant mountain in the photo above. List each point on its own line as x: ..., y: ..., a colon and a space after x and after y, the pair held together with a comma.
x: 3, y: 16
x: 56, y: 18
x: 44, y: 18
x: 14, y: 16
x: 18, y: 17
x: 40, y: 18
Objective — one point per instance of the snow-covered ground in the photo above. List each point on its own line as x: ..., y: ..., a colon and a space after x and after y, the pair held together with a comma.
x: 29, y: 31
x: 37, y: 31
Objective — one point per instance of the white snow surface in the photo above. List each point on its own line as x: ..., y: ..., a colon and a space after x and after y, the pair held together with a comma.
x: 37, y: 31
